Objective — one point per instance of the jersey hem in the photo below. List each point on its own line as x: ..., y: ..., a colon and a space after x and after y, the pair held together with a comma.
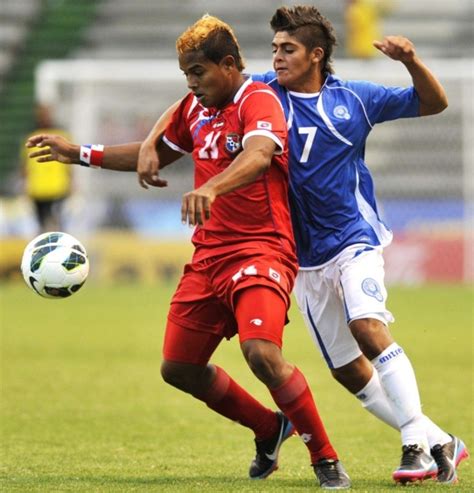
x: 335, y: 257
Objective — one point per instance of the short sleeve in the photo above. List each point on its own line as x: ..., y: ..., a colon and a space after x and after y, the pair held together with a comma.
x: 177, y: 134
x: 262, y: 114
x: 266, y: 78
x: 384, y: 103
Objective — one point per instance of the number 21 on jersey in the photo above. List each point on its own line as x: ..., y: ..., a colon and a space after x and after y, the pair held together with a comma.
x: 310, y: 132
x: 210, y: 150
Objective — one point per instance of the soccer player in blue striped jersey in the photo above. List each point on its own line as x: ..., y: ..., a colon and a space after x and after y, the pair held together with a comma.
x: 339, y: 233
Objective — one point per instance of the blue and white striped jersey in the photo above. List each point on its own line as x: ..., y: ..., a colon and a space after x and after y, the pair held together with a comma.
x: 332, y: 193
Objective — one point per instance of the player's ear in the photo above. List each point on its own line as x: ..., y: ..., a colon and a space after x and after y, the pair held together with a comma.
x: 228, y: 63
x: 317, y: 54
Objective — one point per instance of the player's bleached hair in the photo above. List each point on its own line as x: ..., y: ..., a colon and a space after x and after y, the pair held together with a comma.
x: 309, y: 27
x: 213, y: 37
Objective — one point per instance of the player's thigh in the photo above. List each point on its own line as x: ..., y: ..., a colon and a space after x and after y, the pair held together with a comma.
x: 363, y: 284
x: 185, y: 345
x: 322, y: 306
x: 197, y: 320
x: 260, y: 312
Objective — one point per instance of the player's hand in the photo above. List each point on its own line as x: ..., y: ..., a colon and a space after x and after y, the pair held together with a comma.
x: 397, y: 47
x: 196, y: 206
x: 53, y: 148
x: 148, y: 165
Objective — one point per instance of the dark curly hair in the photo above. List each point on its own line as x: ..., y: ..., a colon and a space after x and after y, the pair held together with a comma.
x: 310, y: 28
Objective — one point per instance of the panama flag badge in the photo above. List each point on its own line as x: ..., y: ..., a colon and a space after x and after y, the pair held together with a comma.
x: 232, y: 143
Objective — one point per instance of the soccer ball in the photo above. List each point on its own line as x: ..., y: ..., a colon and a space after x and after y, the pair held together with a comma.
x: 55, y: 265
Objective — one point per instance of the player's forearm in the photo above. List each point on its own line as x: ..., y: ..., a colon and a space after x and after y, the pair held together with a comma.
x: 121, y: 157
x: 118, y: 157
x: 433, y: 98
x: 245, y: 169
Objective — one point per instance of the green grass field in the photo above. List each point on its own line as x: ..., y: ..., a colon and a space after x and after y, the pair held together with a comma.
x: 83, y: 407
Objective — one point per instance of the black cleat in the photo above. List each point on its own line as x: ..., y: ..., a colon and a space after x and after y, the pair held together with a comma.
x: 331, y: 475
x: 266, y: 460
x: 447, y: 457
x: 415, y: 465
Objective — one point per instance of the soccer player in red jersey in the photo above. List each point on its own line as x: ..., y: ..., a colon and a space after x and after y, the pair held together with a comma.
x: 244, y: 264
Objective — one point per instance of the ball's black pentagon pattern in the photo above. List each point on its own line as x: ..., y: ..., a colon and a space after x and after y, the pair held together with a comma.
x: 38, y: 256
x: 79, y: 247
x: 52, y: 238
x: 58, y: 292
x: 73, y: 261
x: 76, y: 287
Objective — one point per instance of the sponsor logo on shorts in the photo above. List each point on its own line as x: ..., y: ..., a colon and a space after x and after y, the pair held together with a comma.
x: 245, y: 271
x: 371, y: 288
x: 274, y: 274
x: 256, y: 321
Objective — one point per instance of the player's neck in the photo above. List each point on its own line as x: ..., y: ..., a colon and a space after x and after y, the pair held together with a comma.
x: 310, y: 84
x: 239, y: 79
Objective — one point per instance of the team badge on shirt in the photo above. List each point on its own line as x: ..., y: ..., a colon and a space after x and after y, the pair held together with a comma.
x: 342, y: 112
x: 232, y: 143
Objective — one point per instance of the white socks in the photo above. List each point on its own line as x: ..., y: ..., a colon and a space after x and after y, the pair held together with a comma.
x: 436, y: 436
x: 399, y: 383
x: 393, y: 397
x: 373, y: 398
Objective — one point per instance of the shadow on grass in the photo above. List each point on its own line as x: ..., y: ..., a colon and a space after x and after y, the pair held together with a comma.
x: 188, y: 483
x: 159, y: 484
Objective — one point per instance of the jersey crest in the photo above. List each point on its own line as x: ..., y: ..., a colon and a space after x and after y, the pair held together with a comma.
x: 232, y: 142
x: 342, y: 112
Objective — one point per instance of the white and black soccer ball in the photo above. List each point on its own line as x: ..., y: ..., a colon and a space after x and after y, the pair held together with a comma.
x: 55, y: 265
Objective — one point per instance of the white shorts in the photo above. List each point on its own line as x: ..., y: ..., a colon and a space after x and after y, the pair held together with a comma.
x: 349, y: 287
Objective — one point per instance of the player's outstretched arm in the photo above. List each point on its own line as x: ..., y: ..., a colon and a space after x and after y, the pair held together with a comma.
x: 148, y: 159
x: 433, y: 98
x: 57, y: 148
x: 244, y: 169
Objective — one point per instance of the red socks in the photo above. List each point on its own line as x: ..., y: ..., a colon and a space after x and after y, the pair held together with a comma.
x: 294, y: 398
x: 228, y: 399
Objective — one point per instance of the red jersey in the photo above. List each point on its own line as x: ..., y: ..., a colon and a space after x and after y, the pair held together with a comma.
x: 255, y: 215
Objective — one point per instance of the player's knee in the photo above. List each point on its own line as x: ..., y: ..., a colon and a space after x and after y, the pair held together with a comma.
x: 354, y: 375
x: 339, y: 376
x: 372, y: 335
x: 265, y: 360
x: 176, y: 375
x: 169, y: 373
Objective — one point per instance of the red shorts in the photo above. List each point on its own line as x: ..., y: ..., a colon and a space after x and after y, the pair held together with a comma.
x: 204, y: 302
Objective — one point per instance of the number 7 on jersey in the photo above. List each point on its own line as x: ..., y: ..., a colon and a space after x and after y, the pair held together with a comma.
x: 311, y: 133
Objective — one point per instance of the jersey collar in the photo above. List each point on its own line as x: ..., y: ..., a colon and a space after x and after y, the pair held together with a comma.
x: 309, y: 95
x: 305, y: 94
x: 241, y: 90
